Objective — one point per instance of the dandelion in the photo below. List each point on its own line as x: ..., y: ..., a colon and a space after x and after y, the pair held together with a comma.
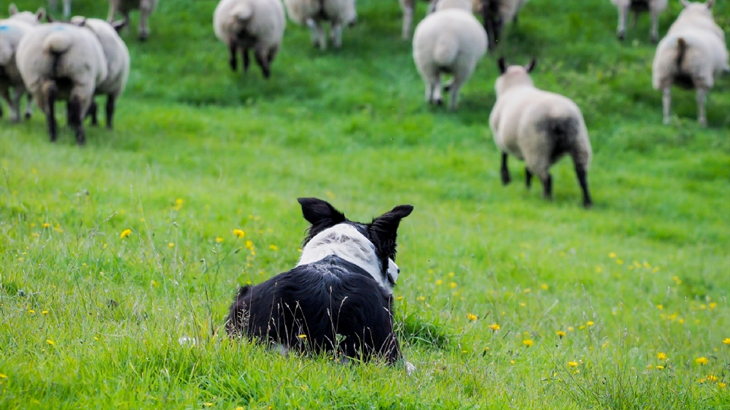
x: 721, y: 385
x: 544, y: 286
x: 125, y: 233
x: 660, y: 307
x: 451, y: 274
x: 471, y: 317
x: 571, y: 328
x: 31, y: 311
x: 711, y: 378
x: 439, y: 282
x: 302, y: 336
x: 45, y: 312
x: 527, y: 342
x: 46, y: 225
x: 50, y: 342
x: 701, y: 361
x: 619, y: 261
x: 590, y: 323
x: 726, y: 341
x: 273, y: 247
x: 660, y: 367
x: 2, y: 376
x: 612, y: 255
x: 605, y: 345
x: 208, y: 404
x: 249, y: 244
x: 572, y: 364
x: 178, y: 204
x: 560, y: 334
x: 171, y: 245
x: 452, y: 285
x: 154, y: 283
x: 219, y: 240
x: 661, y: 356
x: 494, y: 327
x: 239, y: 234
x: 713, y: 305
x: 421, y: 298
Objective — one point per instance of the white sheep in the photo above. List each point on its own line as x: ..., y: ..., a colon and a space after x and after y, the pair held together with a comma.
x: 314, y: 12
x: 538, y: 127
x: 654, y: 7
x: 449, y: 41
x: 495, y: 14
x: 66, y: 7
x: 145, y: 7
x: 250, y: 24
x: 12, y: 30
x: 691, y: 55
x: 65, y: 62
x: 116, y: 55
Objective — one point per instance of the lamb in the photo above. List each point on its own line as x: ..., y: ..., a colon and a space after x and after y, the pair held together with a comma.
x: 66, y: 7
x: 116, y: 55
x: 66, y: 62
x: 653, y: 7
x: 313, y: 12
x: 538, y: 127
x: 495, y: 13
x: 145, y: 7
x: 450, y: 40
x: 11, y: 31
x: 691, y: 55
x: 250, y: 24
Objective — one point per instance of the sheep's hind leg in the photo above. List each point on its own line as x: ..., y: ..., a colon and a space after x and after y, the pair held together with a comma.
x: 29, y: 107
x: 336, y: 35
x: 408, y: 6
x: 701, y: 101
x: 246, y: 59
x: 623, y: 16
x: 75, y: 110
x: 506, y: 179
x: 5, y: 93
x: 580, y: 171
x: 92, y: 112
x: 233, y: 60
x: 145, y: 9
x: 654, y: 26
x: 47, y: 102
x: 547, y: 186
x: 263, y: 62
x: 110, y: 105
x: 528, y: 178
x: 454, y: 86
x: 667, y: 103
x: 318, y: 38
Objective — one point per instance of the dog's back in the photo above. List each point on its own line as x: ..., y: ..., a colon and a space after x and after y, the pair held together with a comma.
x: 328, y: 305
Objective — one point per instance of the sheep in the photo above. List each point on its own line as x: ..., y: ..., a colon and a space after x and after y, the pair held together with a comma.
x: 691, y: 55
x: 11, y: 31
x: 66, y: 62
x: 314, y: 12
x: 497, y: 12
x: 653, y: 7
x: 116, y: 55
x: 452, y: 41
x: 538, y: 127
x: 66, y: 7
x: 145, y: 7
x: 250, y: 24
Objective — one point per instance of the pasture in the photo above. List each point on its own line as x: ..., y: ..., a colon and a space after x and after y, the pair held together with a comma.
x: 504, y: 299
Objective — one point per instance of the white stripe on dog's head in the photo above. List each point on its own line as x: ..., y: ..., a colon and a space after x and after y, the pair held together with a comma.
x: 344, y: 241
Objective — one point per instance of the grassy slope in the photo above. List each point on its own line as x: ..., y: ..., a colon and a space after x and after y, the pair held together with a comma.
x: 90, y: 320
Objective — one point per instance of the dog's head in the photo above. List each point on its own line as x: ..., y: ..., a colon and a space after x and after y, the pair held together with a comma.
x: 371, y: 246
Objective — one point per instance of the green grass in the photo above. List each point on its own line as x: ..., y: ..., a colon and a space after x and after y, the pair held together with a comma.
x: 90, y: 320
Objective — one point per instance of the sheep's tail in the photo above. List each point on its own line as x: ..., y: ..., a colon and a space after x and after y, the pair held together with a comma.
x: 681, y: 52
x: 562, y: 131
x: 446, y: 49
x: 243, y: 12
x: 58, y: 42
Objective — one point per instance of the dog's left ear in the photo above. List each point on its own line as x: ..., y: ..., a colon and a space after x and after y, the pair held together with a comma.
x: 319, y: 212
x: 386, y: 225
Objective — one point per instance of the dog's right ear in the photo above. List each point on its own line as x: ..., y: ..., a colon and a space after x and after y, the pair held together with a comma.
x: 502, y: 63
x: 320, y: 213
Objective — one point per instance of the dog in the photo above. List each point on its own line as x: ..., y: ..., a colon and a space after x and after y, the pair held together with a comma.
x: 339, y: 297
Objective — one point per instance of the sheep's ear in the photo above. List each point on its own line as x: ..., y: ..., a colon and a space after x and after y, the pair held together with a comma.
x: 710, y: 3
x: 13, y: 9
x: 50, y: 18
x: 686, y: 3
x: 502, y: 63
x: 119, y: 25
x: 40, y: 13
x: 80, y: 21
x: 531, y: 66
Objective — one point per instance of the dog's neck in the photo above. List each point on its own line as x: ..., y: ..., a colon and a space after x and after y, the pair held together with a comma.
x: 346, y: 242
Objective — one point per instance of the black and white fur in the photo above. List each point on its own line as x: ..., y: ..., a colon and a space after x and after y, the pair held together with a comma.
x: 338, y: 297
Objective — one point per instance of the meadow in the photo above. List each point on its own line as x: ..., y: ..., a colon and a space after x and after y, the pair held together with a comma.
x: 119, y: 260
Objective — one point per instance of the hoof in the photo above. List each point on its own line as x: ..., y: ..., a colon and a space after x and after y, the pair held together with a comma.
x: 621, y: 36
x: 28, y: 115
x: 439, y: 102
x: 588, y: 205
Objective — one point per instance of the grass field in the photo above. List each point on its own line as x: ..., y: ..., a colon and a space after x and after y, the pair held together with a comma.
x: 504, y: 300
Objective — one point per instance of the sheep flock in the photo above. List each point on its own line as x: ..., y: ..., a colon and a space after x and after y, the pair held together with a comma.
x: 81, y: 58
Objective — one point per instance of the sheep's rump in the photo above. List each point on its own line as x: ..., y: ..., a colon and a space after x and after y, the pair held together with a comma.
x: 561, y: 133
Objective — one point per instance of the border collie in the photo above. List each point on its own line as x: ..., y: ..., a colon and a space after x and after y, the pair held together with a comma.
x: 338, y: 297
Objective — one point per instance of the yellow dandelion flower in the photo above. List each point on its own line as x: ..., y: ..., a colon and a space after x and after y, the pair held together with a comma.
x: 544, y: 286
x: 713, y: 305
x: 619, y: 261
x: 302, y: 336
x: 273, y: 247
x: 721, y: 385
x: 50, y: 342
x: 451, y: 274
x: 239, y: 234
x: 571, y: 328
x: 726, y: 341
x: 2, y: 376
x: 528, y: 290
x: 660, y: 307
x: 494, y: 327
x: 605, y: 345
x: 701, y: 361
x: 660, y: 367
x: 154, y: 283
x: 560, y: 334
x: 527, y: 342
x: 452, y: 285
x: 171, y: 245
x: 471, y: 317
x: 590, y: 323
x: 421, y: 298
x: 208, y: 404
x: 581, y: 327
x: 612, y: 255
x: 31, y: 311
x: 661, y: 356
x: 439, y: 282
x: 45, y: 312
x: 125, y: 233
x: 46, y: 225
x: 711, y: 378
x: 572, y: 364
x: 219, y: 239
